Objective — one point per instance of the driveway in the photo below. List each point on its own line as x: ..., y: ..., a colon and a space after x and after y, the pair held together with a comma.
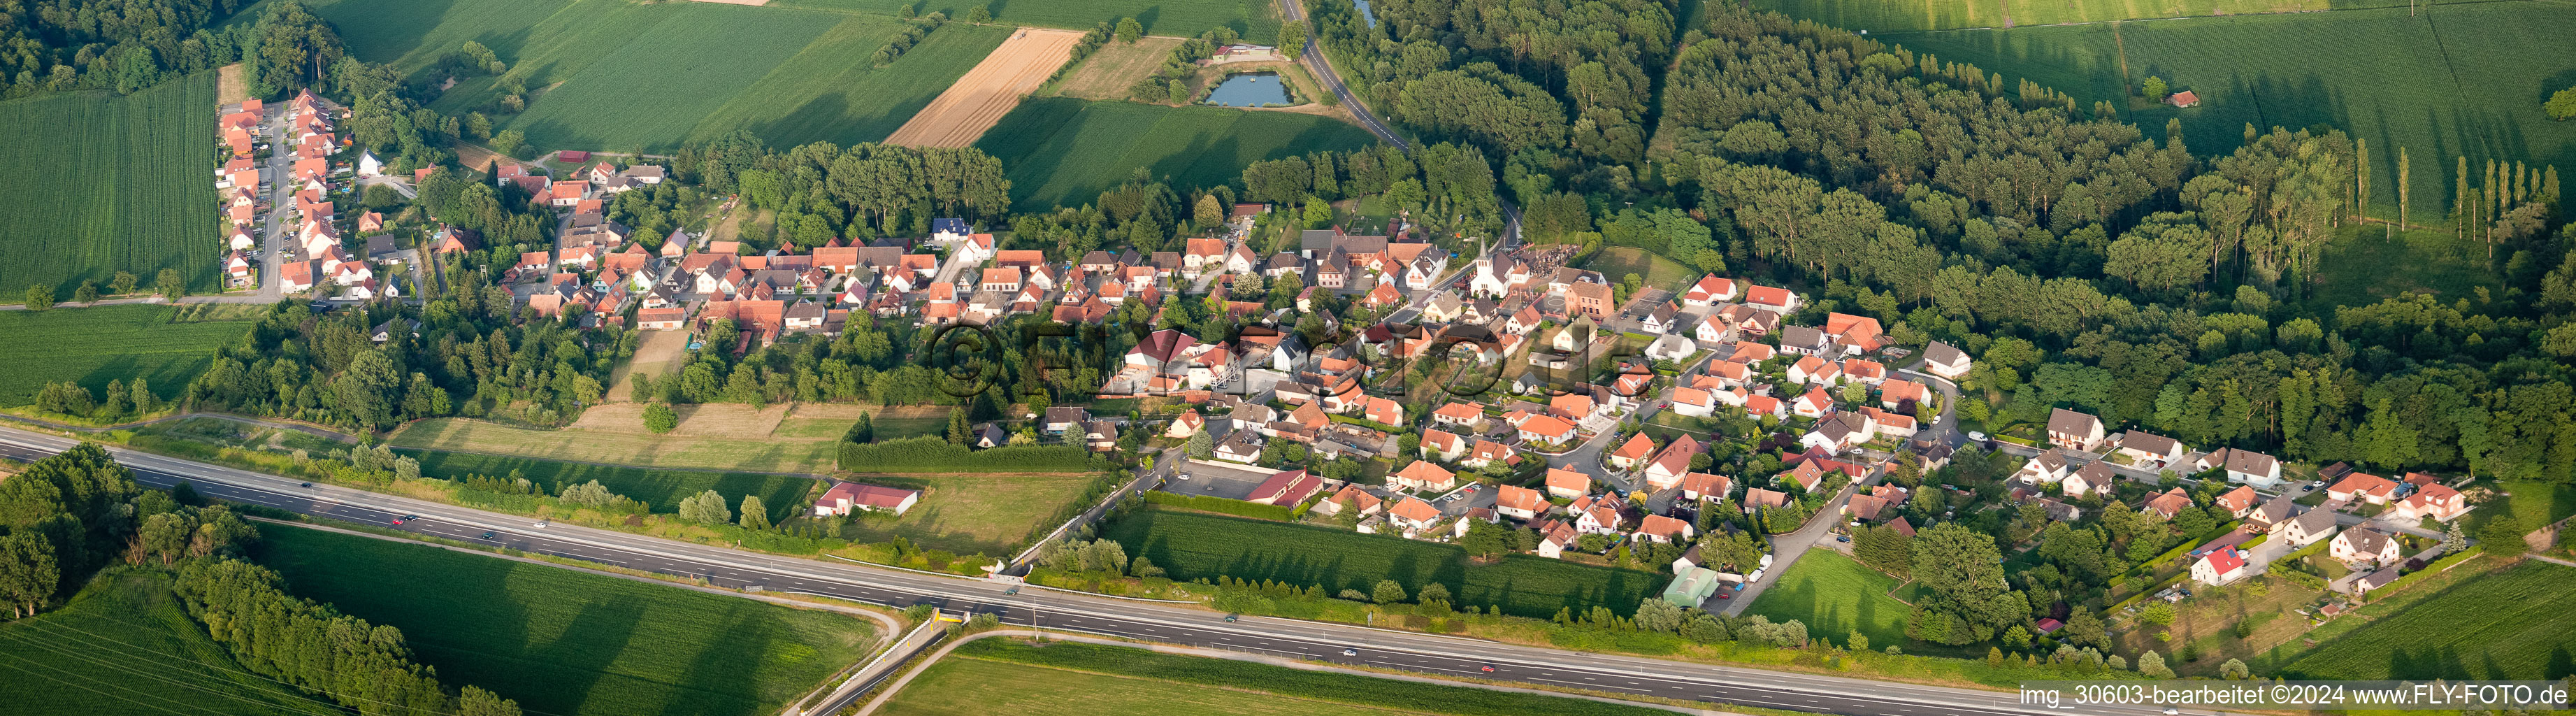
x: 1786, y: 549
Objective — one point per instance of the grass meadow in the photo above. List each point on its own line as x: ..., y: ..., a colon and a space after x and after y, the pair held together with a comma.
x: 92, y: 346
x: 970, y: 514
x: 566, y: 642
x: 1066, y: 151
x: 1616, y: 262
x: 1836, y: 595
x: 1194, y: 545
x: 98, y: 183
x: 1254, y: 20
x: 661, y: 488
x: 2507, y: 625
x: 125, y: 645
x: 2453, y: 80
x: 624, y: 448
x: 614, y: 75
x: 1010, y: 676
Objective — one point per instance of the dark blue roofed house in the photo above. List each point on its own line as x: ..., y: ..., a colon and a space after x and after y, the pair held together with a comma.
x: 950, y: 229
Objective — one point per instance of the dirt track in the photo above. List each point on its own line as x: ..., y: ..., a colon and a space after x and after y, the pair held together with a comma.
x: 958, y: 116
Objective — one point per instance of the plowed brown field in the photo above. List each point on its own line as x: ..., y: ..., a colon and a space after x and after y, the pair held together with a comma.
x: 958, y: 116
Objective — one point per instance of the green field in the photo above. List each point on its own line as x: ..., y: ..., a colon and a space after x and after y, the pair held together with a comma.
x: 2512, y: 624
x: 125, y: 645
x: 610, y: 74
x: 1834, y: 595
x: 2452, y: 80
x: 1616, y: 262
x: 661, y: 488
x: 566, y: 642
x: 2353, y: 271
x: 92, y: 346
x: 1066, y: 151
x: 97, y: 184
x: 1254, y: 20
x: 1194, y: 545
x: 2535, y: 503
x: 1015, y: 677
x: 970, y: 514
x: 1968, y: 14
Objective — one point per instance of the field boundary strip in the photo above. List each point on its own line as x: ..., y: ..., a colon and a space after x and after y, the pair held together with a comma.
x: 961, y: 114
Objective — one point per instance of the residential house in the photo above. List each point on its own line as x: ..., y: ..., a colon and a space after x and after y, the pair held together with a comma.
x: 1865, y: 508
x: 2244, y: 466
x: 1519, y: 503
x: 2237, y: 503
x: 1188, y: 424
x: 1693, y: 402
x: 1411, y: 515
x: 1383, y: 411
x: 1060, y: 419
x: 1775, y: 300
x: 1856, y: 334
x: 1664, y: 530
x: 1423, y: 476
x: 2072, y: 430
x: 1486, y: 453
x: 1756, y: 498
x: 1547, y: 429
x: 1711, y: 290
x: 2310, y: 526
x: 1669, y: 466
x: 2218, y: 568
x: 2364, y: 487
x: 1464, y: 415
x: 1243, y: 446
x: 2094, y: 479
x: 1100, y: 435
x: 1812, y: 404
x: 2363, y: 545
x: 1555, y: 537
x: 2165, y: 506
x: 1715, y: 329
x: 1945, y: 360
x: 1568, y: 483
x: 2049, y: 468
x: 1705, y: 486
x: 1634, y: 452
x: 2272, y: 514
x: 1358, y: 499
x: 2432, y: 502
x: 1812, y: 370
x: 2148, y: 449
x: 1596, y: 515
x: 1894, y: 394
x: 1442, y: 444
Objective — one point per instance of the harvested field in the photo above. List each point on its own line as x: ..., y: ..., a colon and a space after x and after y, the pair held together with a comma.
x: 959, y: 116
x: 638, y: 448
x: 660, y: 354
x: 1115, y: 68
x: 230, y: 88
x: 713, y: 420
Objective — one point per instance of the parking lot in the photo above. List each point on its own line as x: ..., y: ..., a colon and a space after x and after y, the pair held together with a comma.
x: 1233, y: 482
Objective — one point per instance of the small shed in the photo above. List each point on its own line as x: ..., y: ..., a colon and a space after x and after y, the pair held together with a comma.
x: 2183, y: 98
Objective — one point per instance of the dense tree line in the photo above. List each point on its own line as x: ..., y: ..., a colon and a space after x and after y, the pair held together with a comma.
x: 127, y: 45
x: 1549, y: 76
x: 823, y: 190
x: 474, y: 357
x: 61, y: 519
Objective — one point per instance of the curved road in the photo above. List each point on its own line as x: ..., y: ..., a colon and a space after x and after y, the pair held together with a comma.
x: 1070, y: 611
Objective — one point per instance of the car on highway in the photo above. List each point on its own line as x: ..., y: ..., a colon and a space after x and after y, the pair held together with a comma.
x: 1350, y: 652
x: 487, y: 535
x: 308, y: 484
x: 405, y: 518
x: 541, y: 524
x: 1489, y: 668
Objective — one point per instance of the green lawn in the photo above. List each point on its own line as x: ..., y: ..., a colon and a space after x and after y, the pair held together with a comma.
x: 92, y: 346
x: 2450, y: 80
x: 1616, y: 262
x: 566, y: 642
x: 1066, y: 151
x: 97, y: 183
x: 1196, y: 545
x: 969, y: 514
x: 125, y: 645
x: 2511, y: 624
x: 662, y: 488
x: 1253, y: 19
x: 1834, y: 595
x: 2535, y: 503
x: 1015, y: 677
x: 630, y: 76
x: 2355, y: 267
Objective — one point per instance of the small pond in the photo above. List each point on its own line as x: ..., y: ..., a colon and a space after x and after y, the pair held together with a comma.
x: 1365, y: 15
x: 1252, y: 89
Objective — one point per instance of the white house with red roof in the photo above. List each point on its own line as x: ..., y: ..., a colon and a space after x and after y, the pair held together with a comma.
x: 1775, y: 300
x: 1568, y: 484
x: 1631, y: 453
x: 1857, y: 334
x: 1812, y: 404
x: 848, y: 496
x: 1442, y: 444
x: 1411, y: 515
x: 2218, y: 568
x: 2433, y: 502
x: 1893, y: 394
x: 1423, y: 476
x: 1519, y: 503
x: 1286, y: 488
x: 1664, y: 530
x: 1546, y: 428
x: 1711, y: 290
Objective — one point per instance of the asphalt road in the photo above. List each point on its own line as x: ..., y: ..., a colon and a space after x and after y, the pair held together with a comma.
x: 1068, y: 611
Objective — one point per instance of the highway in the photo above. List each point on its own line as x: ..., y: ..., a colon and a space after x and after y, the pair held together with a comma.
x: 1068, y: 611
